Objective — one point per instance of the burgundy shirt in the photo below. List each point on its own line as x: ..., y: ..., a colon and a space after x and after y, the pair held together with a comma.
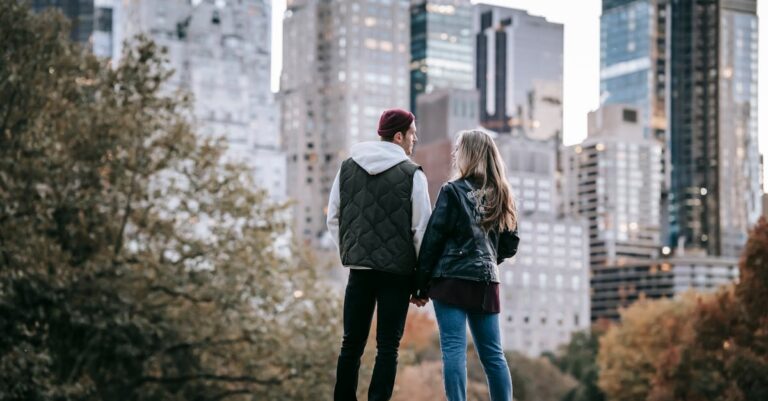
x: 474, y: 296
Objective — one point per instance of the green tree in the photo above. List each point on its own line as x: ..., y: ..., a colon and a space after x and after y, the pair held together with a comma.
x: 578, y: 359
x: 537, y: 378
x: 134, y: 263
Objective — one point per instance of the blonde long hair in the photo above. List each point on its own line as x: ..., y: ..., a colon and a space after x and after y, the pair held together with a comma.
x: 477, y: 157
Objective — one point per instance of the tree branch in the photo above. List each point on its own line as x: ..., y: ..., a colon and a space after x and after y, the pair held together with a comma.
x: 172, y: 292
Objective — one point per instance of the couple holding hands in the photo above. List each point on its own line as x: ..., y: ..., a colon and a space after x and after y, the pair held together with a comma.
x: 400, y: 251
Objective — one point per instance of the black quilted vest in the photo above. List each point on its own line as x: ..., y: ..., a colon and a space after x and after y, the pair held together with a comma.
x: 375, y: 217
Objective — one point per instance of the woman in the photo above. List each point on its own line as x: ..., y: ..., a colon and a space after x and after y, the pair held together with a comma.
x: 472, y: 229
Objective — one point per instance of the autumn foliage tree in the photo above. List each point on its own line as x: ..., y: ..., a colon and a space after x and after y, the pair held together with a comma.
x: 134, y: 263
x: 727, y: 358
x: 700, y: 347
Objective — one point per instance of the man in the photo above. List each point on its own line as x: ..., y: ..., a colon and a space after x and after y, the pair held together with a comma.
x: 377, y: 214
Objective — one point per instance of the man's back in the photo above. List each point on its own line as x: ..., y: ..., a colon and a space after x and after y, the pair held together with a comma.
x: 375, y: 217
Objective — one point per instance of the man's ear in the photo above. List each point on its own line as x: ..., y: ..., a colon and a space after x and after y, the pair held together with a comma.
x: 399, y: 137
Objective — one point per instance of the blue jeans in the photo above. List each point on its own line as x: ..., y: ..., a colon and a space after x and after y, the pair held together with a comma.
x: 452, y: 322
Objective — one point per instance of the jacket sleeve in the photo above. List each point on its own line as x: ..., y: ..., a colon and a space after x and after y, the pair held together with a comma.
x: 508, y: 241
x: 438, y: 228
x: 332, y: 220
x: 421, y: 207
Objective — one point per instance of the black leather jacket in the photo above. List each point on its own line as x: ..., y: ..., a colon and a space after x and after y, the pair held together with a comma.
x: 455, y: 245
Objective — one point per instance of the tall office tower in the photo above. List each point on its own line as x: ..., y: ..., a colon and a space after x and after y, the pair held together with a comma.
x: 442, y: 47
x: 545, y: 287
x: 220, y: 52
x: 344, y: 64
x: 715, y: 187
x: 633, y: 59
x: 613, y: 178
x: 446, y: 112
x: 519, y: 72
x: 92, y: 21
x: 634, y: 55
x: 765, y: 205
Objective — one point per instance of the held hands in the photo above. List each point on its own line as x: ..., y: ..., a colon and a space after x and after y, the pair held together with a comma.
x: 419, y: 301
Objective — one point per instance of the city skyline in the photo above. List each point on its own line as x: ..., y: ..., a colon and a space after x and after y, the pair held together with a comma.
x: 581, y: 60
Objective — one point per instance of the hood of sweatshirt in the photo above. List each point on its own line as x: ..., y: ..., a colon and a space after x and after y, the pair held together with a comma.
x: 376, y: 157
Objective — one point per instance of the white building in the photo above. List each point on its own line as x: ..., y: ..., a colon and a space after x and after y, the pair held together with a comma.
x: 545, y: 287
x: 344, y: 63
x: 614, y: 178
x: 220, y: 52
x: 618, y: 286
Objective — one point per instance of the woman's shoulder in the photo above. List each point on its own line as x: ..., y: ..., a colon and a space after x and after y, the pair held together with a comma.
x: 457, y: 183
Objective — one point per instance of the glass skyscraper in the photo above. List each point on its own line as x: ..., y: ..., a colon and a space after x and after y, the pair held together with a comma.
x: 690, y: 67
x: 441, y: 47
x: 715, y: 193
x: 633, y: 59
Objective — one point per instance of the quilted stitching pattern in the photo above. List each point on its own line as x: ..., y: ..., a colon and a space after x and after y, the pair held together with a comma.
x: 375, y: 217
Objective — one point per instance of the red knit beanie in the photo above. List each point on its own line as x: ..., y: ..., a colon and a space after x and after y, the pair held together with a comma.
x: 393, y: 121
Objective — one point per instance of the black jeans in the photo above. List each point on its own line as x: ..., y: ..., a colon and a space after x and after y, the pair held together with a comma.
x: 390, y: 293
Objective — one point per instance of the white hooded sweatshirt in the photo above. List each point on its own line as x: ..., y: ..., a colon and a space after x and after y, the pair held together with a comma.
x: 375, y: 157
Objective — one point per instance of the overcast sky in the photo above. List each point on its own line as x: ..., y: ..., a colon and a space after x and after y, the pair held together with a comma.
x: 582, y: 58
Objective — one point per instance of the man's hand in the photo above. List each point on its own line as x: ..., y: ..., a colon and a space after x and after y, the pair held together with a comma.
x: 419, y: 301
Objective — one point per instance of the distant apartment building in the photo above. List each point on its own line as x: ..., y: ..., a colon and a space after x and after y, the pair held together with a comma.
x: 545, y: 287
x: 618, y: 286
x: 613, y: 179
x: 445, y: 112
x: 519, y: 72
x: 221, y: 54
x: 344, y: 63
x: 92, y: 22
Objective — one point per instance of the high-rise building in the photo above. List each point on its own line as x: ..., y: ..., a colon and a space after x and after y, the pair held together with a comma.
x: 343, y: 65
x: 765, y: 205
x: 618, y: 286
x: 442, y: 47
x: 545, y: 287
x: 220, y: 52
x: 715, y: 180
x: 634, y: 71
x: 92, y: 22
x: 519, y: 72
x: 613, y: 179
x: 633, y: 59
x: 445, y: 112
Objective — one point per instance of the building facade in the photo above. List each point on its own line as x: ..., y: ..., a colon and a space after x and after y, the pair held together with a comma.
x: 343, y: 65
x: 614, y: 179
x: 545, y: 287
x: 519, y: 72
x: 221, y: 54
x: 715, y: 185
x: 442, y: 47
x: 92, y: 22
x: 633, y: 59
x: 618, y: 286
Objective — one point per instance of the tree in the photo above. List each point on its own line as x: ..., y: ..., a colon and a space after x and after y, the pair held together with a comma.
x: 578, y: 359
x: 631, y: 353
x: 537, y: 379
x: 727, y: 358
x: 134, y: 263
